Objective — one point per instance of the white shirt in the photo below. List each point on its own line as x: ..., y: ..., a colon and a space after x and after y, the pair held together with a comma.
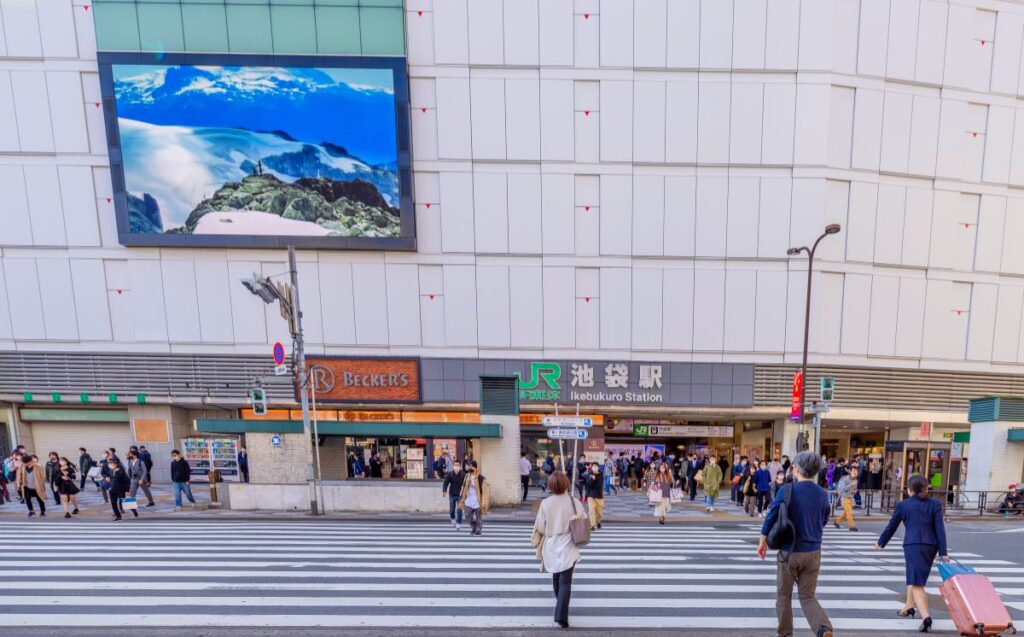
x: 524, y: 467
x: 472, y: 499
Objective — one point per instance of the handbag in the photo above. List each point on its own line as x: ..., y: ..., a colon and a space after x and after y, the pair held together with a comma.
x: 654, y: 494
x: 676, y: 495
x: 579, y: 527
x: 736, y: 479
x: 129, y: 504
x: 699, y: 477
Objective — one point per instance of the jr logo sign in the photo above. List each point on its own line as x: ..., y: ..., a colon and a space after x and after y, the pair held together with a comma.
x: 542, y: 383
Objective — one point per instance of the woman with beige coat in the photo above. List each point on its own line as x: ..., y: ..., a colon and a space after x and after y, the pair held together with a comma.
x: 30, y: 482
x: 555, y: 549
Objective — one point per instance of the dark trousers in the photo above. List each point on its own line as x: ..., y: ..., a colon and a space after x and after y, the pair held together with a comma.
x: 563, y: 591
x: 762, y: 501
x: 81, y: 480
x: 245, y: 474
x: 32, y: 493
x: 693, y: 489
x: 115, y: 505
x: 526, y: 485
x: 56, y: 496
x: 736, y: 494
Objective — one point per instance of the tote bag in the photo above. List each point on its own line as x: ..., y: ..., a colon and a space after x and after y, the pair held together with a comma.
x: 677, y: 495
x: 654, y: 494
x: 579, y: 527
x: 129, y: 504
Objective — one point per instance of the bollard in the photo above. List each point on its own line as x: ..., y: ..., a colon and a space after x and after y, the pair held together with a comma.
x: 214, y: 476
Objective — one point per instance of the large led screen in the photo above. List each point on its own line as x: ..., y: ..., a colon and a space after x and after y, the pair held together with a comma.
x: 241, y: 153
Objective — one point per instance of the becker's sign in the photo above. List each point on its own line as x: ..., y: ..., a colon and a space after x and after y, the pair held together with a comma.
x: 364, y: 380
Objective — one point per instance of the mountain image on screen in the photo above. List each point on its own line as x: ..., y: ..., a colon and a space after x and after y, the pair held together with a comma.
x: 258, y: 150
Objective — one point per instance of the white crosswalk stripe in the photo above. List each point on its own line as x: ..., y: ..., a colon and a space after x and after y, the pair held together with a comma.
x: 426, y: 575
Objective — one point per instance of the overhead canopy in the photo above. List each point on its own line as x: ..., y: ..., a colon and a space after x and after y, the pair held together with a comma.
x: 1015, y: 435
x: 355, y: 428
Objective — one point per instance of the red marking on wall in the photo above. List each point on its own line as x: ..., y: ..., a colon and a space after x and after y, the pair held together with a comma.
x: 586, y: 16
x: 587, y: 299
x: 423, y: 109
x: 119, y: 291
x: 85, y: 6
x: 974, y: 133
x: 97, y: 104
x: 419, y: 13
x: 587, y: 113
x: 431, y: 297
x: 428, y: 205
x: 108, y: 199
x: 586, y: 208
x: 982, y: 43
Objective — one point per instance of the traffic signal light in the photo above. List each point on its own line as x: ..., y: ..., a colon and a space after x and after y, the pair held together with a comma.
x: 828, y: 389
x: 258, y: 398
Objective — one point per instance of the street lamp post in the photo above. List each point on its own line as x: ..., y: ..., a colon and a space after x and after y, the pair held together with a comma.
x: 288, y: 297
x: 832, y: 228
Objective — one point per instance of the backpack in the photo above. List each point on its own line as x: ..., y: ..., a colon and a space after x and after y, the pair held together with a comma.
x: 549, y: 466
x: 783, y: 533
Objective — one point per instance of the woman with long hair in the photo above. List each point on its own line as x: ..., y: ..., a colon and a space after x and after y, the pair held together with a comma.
x: 662, y: 480
x: 556, y: 550
x: 924, y: 538
x: 67, y: 486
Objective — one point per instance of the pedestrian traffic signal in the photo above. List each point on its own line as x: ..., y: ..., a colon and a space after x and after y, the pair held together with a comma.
x: 258, y: 398
x: 828, y: 389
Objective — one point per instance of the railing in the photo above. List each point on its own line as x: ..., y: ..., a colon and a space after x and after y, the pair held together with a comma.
x: 955, y: 503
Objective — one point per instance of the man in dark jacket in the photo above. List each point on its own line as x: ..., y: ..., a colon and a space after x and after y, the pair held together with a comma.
x: 595, y: 495
x: 376, y: 466
x: 119, y: 485
x: 243, y: 463
x: 181, y: 477
x: 84, y: 464
x: 452, y: 487
x: 691, y: 476
x: 147, y: 461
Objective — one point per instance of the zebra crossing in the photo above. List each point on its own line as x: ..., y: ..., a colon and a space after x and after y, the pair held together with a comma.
x: 418, y: 574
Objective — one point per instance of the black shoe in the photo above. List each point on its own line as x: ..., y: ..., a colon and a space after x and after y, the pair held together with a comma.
x: 926, y: 625
x: 75, y: 512
x: 853, y: 528
x: 136, y: 513
x: 151, y: 504
x: 42, y: 514
x: 907, y: 612
x: 836, y: 524
x: 67, y: 515
x: 117, y: 519
x: 31, y: 514
x: 598, y: 525
x: 563, y: 624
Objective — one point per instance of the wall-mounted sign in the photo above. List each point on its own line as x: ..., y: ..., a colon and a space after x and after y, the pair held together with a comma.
x: 364, y: 380
x: 682, y: 431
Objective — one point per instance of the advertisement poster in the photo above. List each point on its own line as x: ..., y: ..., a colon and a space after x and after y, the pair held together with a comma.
x: 235, y: 153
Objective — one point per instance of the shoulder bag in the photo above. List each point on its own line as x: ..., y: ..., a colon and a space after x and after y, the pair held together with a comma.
x: 782, y: 535
x: 579, y: 526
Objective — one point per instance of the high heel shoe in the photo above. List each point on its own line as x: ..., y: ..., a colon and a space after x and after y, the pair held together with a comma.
x: 926, y: 625
x: 907, y: 612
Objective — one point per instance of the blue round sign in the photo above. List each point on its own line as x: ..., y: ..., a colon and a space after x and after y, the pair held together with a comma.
x: 278, y: 353
x: 275, y: 440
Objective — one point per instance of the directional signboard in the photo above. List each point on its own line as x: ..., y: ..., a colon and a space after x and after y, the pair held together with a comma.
x: 568, y: 421
x: 559, y: 433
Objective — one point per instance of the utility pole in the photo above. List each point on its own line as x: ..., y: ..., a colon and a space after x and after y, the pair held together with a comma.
x: 303, y: 380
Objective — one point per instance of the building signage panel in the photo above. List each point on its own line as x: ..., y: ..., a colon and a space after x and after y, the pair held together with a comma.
x: 682, y: 431
x: 568, y: 421
x: 364, y: 380
x: 560, y: 433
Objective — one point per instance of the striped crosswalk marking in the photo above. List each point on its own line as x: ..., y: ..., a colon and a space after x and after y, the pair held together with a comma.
x: 296, y: 575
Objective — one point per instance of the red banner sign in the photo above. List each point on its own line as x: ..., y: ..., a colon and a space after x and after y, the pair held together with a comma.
x: 798, y: 388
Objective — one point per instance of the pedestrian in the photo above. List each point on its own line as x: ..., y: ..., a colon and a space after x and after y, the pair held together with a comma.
x: 749, y: 491
x: 85, y: 463
x: 555, y: 547
x: 376, y: 466
x: 136, y: 471
x: 119, y: 485
x: 243, y: 463
x: 735, y: 475
x: 147, y: 461
x: 609, y: 475
x: 847, y: 490
x: 549, y: 465
x: 924, y: 538
x: 774, y: 467
x: 103, y: 485
x: 473, y: 498
x: 638, y: 473
x: 30, y: 483
x: 762, y: 486
x: 181, y: 478
x: 53, y: 475
x: 452, y: 487
x: 67, y: 487
x: 684, y: 472
x: 712, y: 478
x: 524, y: 473
x: 581, y: 478
x: 780, y: 479
x: 786, y: 464
x: 691, y: 476
x: 5, y: 495
x: 663, y: 482
x: 808, y: 512
x: 595, y: 495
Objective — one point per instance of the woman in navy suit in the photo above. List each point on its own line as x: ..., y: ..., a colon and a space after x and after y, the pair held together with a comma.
x: 924, y: 538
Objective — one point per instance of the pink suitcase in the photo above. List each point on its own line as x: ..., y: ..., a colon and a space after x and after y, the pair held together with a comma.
x: 975, y: 606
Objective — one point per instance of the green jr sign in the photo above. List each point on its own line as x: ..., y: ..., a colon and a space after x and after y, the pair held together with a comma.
x: 532, y: 388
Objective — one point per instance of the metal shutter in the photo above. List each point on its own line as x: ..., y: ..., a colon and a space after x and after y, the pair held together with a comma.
x: 65, y: 438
